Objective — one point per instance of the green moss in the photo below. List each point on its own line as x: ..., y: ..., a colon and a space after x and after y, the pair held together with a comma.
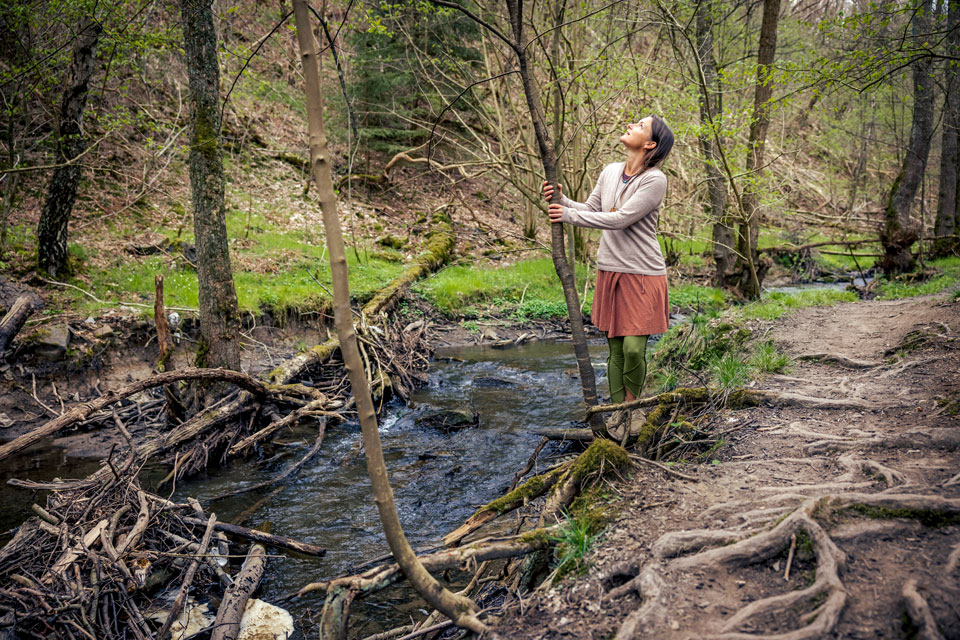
x: 203, y: 349
x: 532, y: 488
x: 602, y: 456
x: 537, y: 537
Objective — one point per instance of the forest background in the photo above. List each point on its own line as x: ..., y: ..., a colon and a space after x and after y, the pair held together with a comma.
x: 425, y: 113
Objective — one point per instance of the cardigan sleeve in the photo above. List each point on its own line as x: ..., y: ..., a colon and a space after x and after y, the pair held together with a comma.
x: 648, y: 197
x: 593, y: 203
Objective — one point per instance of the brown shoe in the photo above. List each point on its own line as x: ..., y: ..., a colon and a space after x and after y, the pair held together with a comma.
x: 618, y: 424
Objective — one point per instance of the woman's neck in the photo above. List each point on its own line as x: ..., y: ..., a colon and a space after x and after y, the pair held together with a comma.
x: 634, y: 161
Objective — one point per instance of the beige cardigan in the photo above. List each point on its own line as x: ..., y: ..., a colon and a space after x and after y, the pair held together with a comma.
x: 629, y: 242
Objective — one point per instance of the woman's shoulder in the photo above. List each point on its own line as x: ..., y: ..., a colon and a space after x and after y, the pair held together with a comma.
x: 653, y: 174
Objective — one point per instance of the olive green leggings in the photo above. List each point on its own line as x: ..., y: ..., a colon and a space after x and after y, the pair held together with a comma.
x: 626, y: 366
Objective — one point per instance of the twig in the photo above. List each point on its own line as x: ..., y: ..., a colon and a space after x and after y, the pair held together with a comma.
x: 662, y: 467
x: 178, y: 603
x: 793, y: 547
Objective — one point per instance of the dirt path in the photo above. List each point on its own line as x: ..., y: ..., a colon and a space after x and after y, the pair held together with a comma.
x: 870, y: 494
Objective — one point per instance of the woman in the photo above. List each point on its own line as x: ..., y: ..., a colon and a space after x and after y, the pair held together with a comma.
x: 630, y: 301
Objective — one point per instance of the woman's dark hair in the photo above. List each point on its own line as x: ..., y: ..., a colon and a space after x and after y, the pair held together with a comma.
x: 661, y: 134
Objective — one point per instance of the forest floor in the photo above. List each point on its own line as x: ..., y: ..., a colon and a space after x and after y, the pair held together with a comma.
x: 898, y: 361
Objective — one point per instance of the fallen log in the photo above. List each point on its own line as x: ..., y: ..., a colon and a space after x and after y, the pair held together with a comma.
x: 439, y: 246
x: 84, y: 410
x: 227, y: 624
x: 263, y: 537
x: 22, y: 308
x: 529, y: 490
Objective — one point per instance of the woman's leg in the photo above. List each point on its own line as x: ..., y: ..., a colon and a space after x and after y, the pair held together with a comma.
x: 615, y: 362
x: 634, y: 367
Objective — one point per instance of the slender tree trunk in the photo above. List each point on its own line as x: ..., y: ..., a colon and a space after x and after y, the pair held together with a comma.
x: 549, y: 160
x: 899, y: 231
x: 219, y: 318
x: 459, y: 609
x: 62, y: 192
x: 948, y: 200
x: 724, y: 255
x: 749, y: 228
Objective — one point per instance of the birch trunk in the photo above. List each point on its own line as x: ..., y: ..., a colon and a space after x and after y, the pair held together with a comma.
x: 459, y: 609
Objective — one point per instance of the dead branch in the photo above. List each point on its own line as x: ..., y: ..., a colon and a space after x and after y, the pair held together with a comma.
x: 84, y: 410
x: 227, y: 624
x: 263, y: 537
x: 22, y: 308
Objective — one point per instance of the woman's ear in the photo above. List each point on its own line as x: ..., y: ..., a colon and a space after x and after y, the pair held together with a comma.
x: 650, y: 144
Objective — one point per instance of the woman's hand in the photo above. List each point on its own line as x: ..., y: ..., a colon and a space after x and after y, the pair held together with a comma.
x: 548, y: 190
x: 555, y: 211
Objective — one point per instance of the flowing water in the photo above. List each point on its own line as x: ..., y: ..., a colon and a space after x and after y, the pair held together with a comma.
x: 439, y: 477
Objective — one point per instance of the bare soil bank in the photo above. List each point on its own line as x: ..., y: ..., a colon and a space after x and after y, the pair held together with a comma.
x: 711, y: 555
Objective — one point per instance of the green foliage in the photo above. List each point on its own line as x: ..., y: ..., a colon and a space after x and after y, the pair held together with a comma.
x: 730, y: 372
x: 391, y: 90
x: 455, y: 290
x: 573, y: 541
x: 693, y: 298
x: 767, y: 359
x: 773, y: 305
x: 949, y: 276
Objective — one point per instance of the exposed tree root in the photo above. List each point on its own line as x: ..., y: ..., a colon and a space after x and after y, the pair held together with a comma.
x: 823, y: 601
x: 839, y: 360
x: 919, y: 612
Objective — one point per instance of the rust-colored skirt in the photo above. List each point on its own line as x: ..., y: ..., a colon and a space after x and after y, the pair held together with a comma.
x: 630, y: 304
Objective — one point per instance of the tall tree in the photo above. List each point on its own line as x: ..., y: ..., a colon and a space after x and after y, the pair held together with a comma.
x: 724, y: 256
x: 948, y: 200
x: 749, y: 230
x: 62, y: 191
x: 548, y: 158
x: 459, y: 609
x: 219, y: 317
x: 899, y: 230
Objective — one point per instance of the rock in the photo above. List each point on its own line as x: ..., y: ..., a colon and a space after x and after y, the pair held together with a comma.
x: 5, y: 421
x: 104, y: 332
x: 89, y: 320
x: 449, y: 420
x: 173, y: 319
x: 52, y: 343
x: 264, y: 621
x: 492, y: 382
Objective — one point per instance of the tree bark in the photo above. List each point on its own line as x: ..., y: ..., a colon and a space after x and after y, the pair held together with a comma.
x: 227, y: 624
x: 548, y: 158
x: 11, y: 323
x: 459, y: 609
x: 219, y: 317
x: 749, y: 228
x: 724, y: 256
x: 899, y: 231
x: 62, y: 192
x: 948, y: 200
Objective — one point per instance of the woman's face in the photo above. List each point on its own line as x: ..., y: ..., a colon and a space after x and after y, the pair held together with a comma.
x: 638, y: 135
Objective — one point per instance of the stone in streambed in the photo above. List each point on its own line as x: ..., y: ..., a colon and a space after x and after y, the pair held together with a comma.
x: 492, y: 382
x: 104, y: 332
x: 449, y: 420
x: 51, y: 343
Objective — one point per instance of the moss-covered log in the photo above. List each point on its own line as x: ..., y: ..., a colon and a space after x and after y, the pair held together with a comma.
x: 529, y: 490
x: 440, y: 245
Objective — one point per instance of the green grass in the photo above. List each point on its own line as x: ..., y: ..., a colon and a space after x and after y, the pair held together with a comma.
x: 692, y: 298
x: 469, y: 290
x: 730, y: 372
x: 271, y: 267
x: 573, y: 541
x: 949, y: 276
x: 775, y: 304
x: 767, y: 359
